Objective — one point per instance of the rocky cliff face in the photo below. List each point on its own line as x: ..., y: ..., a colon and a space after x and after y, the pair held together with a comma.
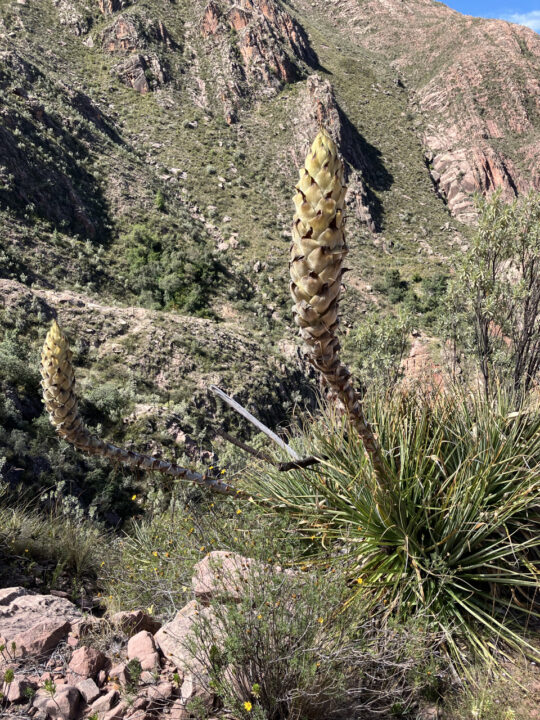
x: 475, y: 84
x: 258, y: 44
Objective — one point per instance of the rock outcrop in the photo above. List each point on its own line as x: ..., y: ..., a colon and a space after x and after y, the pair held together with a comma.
x: 78, y: 21
x: 33, y: 625
x: 159, y: 673
x: 474, y: 84
x: 260, y: 48
x: 142, y: 69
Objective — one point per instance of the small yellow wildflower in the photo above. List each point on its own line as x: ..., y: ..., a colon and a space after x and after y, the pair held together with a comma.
x: 133, y: 497
x: 238, y: 512
x: 223, y: 472
x: 359, y: 580
x: 247, y: 706
x: 321, y: 620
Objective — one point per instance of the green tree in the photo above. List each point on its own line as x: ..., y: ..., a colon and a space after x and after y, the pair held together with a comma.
x: 496, y: 290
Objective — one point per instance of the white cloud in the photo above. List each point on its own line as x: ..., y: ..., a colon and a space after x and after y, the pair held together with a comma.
x: 531, y: 19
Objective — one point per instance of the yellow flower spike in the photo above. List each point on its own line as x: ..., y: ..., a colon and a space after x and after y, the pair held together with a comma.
x: 61, y: 402
x: 317, y: 252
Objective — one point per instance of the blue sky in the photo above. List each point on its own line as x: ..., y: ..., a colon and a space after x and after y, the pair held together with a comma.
x: 524, y: 12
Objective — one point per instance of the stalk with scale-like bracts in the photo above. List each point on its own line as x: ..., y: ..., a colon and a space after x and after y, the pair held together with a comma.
x: 316, y: 265
x: 58, y: 382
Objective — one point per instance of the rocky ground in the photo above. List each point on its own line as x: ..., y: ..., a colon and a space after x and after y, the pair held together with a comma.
x: 61, y: 663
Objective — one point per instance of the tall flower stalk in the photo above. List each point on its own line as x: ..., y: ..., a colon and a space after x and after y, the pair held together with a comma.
x: 316, y: 265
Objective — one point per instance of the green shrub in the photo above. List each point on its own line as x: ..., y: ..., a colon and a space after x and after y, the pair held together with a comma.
x: 378, y: 346
x: 301, y: 645
x: 393, y: 286
x: 494, y: 296
x: 173, y: 272
x: 159, y: 202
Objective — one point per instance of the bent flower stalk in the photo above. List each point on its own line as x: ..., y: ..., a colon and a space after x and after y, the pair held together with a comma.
x: 58, y: 383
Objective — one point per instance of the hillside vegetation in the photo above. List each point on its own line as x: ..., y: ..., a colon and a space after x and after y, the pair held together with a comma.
x: 149, y: 151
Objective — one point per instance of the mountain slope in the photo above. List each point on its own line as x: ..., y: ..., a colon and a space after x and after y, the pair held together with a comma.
x: 475, y: 84
x: 148, y: 151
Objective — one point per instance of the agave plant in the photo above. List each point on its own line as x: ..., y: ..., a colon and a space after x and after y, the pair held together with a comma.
x: 460, y: 537
x: 442, y: 512
x: 316, y: 265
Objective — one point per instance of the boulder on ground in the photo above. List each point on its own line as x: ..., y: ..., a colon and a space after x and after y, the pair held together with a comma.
x: 19, y: 689
x: 173, y: 640
x: 87, y: 662
x: 34, y: 624
x: 117, y: 712
x: 63, y: 704
x: 104, y: 703
x: 142, y: 647
x: 223, y: 575
x: 159, y: 695
x: 88, y: 689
